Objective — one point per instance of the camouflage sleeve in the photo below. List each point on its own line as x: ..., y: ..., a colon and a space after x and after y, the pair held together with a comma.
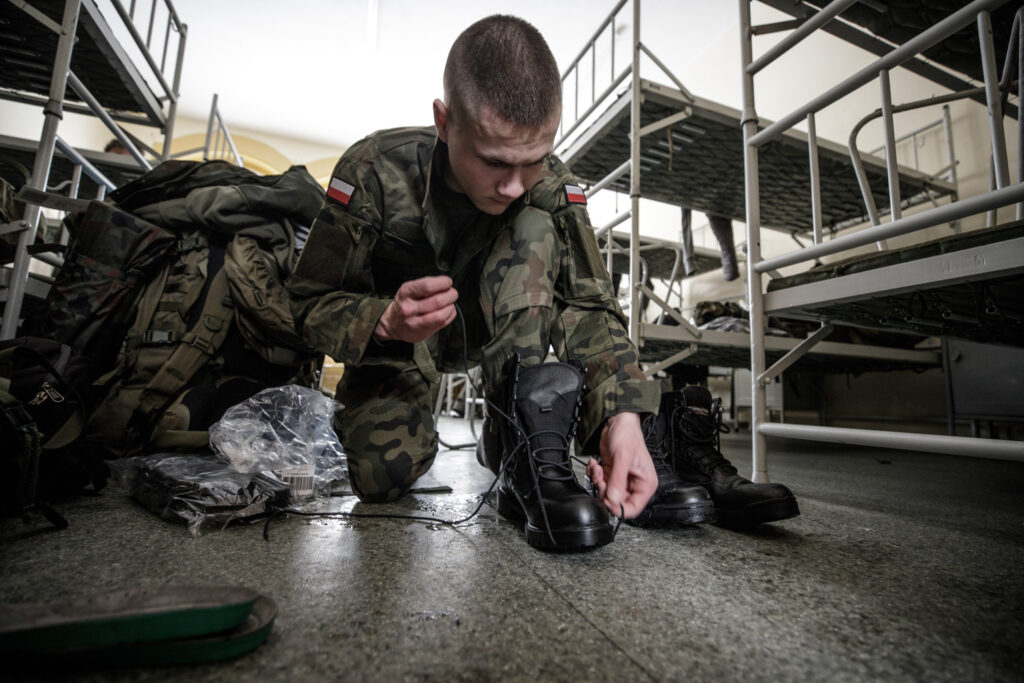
x: 331, y: 287
x: 592, y: 328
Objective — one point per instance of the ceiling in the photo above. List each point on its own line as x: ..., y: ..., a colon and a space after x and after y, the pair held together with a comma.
x: 332, y: 71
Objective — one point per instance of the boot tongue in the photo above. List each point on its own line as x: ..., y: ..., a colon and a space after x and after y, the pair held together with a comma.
x: 698, y: 400
x: 700, y: 414
x: 547, y: 431
x: 546, y: 403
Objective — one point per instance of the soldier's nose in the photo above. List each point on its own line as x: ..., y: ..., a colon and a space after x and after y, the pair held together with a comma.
x: 511, y: 187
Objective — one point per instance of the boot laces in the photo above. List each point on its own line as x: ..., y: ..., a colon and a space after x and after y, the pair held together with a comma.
x: 556, y: 469
x: 701, y: 436
x: 658, y: 448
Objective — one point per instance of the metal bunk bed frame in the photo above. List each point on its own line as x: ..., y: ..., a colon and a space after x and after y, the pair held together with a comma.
x: 986, y: 262
x: 676, y: 106
x: 51, y: 147
x: 61, y: 77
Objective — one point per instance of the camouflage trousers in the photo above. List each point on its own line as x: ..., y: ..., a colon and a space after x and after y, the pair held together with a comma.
x: 387, y: 427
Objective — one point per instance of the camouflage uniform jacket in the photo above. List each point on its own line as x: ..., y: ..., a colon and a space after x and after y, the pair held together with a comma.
x: 383, y: 225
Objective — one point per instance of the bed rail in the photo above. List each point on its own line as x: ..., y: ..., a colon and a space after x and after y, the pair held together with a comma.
x: 1004, y: 193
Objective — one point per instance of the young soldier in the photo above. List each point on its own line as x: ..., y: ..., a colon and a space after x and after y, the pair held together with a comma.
x: 476, y: 215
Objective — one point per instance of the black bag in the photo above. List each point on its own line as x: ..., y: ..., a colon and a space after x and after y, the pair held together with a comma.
x: 42, y: 413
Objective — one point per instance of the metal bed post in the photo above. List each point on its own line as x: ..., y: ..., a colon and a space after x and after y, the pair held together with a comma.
x: 52, y: 114
x: 891, y: 167
x: 209, y: 128
x: 951, y: 162
x: 1020, y: 103
x: 812, y: 154
x: 758, y: 401
x: 947, y: 126
x: 172, y: 109
x: 992, y: 96
x: 634, y: 186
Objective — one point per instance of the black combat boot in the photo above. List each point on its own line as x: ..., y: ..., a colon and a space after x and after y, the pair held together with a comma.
x: 488, y: 448
x: 537, y: 485
x: 675, y: 501
x: 696, y: 422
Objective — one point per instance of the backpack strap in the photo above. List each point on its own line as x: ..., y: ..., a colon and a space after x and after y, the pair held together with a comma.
x: 195, y: 348
x: 28, y: 450
x: 28, y: 444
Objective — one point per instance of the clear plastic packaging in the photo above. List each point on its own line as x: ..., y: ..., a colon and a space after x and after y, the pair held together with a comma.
x: 287, y: 430
x: 199, y: 490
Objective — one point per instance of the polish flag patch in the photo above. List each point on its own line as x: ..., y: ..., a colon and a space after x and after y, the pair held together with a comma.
x: 340, y: 191
x: 574, y: 194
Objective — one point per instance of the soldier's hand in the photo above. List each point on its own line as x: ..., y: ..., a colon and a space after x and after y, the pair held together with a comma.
x: 625, y: 478
x: 420, y: 308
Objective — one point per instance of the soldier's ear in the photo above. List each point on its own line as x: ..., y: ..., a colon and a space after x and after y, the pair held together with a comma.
x: 441, y: 120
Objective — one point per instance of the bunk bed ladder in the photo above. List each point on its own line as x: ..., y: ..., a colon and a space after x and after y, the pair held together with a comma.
x: 52, y: 114
x: 632, y: 165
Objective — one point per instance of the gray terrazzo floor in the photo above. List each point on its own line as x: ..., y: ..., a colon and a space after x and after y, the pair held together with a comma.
x: 902, y: 567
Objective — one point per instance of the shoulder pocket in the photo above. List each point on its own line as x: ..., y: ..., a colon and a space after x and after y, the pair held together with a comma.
x: 337, y: 253
x: 585, y: 275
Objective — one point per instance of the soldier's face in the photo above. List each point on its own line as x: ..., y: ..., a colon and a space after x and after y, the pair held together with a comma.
x: 492, y: 161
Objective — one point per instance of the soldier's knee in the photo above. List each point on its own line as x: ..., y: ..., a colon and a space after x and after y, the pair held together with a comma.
x: 383, y: 480
x: 382, y: 477
x: 379, y: 495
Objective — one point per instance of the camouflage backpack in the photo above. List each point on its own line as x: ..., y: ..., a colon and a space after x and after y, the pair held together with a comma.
x: 178, y: 292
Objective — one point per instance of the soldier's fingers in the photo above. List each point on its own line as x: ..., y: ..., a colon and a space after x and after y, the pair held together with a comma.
x: 412, y: 307
x: 426, y: 286
x: 429, y: 323
x: 641, y: 485
x: 615, y: 492
x: 631, y: 506
x: 440, y: 300
x: 596, y: 475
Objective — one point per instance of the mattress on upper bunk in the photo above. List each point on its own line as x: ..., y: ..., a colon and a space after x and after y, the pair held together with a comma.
x: 897, y: 21
x: 732, y: 350
x: 698, y: 163
x: 660, y: 258
x: 983, y: 307
x: 28, y: 49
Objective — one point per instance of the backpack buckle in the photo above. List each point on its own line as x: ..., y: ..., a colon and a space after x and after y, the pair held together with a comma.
x: 157, y: 337
x: 187, y: 244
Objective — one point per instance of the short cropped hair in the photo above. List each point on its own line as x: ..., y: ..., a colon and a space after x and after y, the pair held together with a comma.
x: 502, y: 62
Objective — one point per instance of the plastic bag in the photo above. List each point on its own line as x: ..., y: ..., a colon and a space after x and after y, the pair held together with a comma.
x: 287, y: 430
x: 198, y: 489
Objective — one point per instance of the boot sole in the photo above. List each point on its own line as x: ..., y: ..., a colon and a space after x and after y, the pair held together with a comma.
x: 698, y: 513
x: 579, y: 538
x: 759, y: 513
